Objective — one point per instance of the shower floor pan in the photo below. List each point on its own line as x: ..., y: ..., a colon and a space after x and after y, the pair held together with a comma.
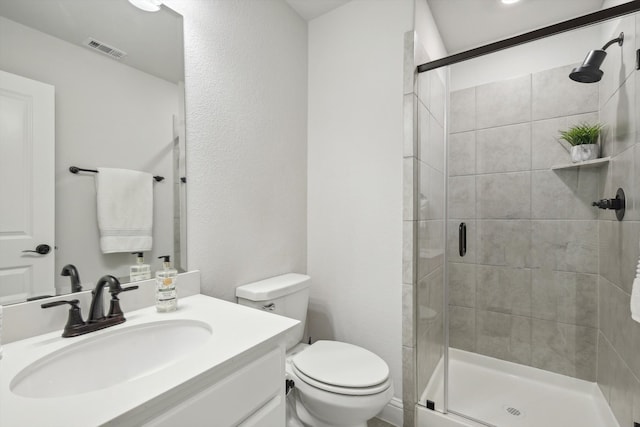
x: 505, y: 394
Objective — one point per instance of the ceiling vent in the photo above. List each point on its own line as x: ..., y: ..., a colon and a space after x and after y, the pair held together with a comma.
x: 104, y: 48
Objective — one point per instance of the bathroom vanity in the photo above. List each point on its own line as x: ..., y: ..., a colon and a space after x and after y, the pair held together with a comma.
x: 211, y: 362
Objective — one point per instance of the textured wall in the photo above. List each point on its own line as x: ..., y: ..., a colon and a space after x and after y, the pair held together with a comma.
x: 355, y: 175
x: 526, y: 291
x: 107, y: 115
x: 246, y: 93
x: 619, y: 337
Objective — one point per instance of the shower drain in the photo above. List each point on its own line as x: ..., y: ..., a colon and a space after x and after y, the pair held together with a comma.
x: 513, y: 411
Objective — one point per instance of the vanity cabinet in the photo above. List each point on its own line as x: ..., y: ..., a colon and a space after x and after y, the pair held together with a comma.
x: 253, y: 395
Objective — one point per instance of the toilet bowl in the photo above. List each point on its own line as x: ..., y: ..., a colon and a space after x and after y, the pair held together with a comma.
x: 336, y: 383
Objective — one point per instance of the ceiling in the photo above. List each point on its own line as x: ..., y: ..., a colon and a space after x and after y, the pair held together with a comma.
x: 153, y: 41
x: 310, y: 9
x: 465, y: 24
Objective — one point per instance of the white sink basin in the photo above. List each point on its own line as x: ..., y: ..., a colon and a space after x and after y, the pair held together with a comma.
x: 110, y: 358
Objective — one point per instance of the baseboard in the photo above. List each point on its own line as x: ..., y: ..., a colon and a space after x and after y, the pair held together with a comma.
x: 392, y: 413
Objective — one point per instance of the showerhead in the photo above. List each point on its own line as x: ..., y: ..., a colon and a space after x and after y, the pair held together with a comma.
x: 589, y: 71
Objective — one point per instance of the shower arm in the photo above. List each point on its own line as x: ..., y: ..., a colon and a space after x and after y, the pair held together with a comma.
x: 619, y: 40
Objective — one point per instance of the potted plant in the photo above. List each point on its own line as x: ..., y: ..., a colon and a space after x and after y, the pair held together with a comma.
x: 583, y: 139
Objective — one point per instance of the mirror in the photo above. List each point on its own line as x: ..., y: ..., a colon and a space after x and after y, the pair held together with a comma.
x: 118, y: 81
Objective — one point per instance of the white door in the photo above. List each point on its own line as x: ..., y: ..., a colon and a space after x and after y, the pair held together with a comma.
x: 27, y: 185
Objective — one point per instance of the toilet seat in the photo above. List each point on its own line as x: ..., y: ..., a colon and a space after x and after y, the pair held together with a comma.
x: 342, y: 368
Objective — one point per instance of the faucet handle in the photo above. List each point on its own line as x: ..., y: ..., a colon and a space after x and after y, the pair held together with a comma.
x: 74, y: 321
x: 114, y: 306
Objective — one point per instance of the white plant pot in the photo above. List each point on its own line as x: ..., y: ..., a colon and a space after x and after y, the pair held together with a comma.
x: 581, y: 153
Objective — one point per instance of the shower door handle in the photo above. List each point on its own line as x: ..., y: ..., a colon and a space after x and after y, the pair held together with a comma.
x: 462, y: 239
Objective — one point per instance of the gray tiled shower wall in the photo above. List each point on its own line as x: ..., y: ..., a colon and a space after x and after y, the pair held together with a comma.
x: 618, y: 370
x: 527, y: 289
x: 423, y: 228
x: 547, y: 279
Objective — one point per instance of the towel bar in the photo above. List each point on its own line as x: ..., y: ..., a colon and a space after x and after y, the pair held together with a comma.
x: 75, y: 169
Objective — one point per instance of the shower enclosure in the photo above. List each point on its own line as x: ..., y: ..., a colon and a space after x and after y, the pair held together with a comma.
x: 517, y: 288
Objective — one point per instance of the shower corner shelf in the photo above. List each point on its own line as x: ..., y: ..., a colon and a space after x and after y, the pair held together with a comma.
x: 586, y: 164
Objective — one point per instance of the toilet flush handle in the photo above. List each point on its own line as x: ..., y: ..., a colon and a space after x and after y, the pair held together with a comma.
x: 269, y: 307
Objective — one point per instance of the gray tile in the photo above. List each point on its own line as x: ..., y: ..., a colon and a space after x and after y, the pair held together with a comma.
x: 503, y: 103
x: 410, y: 128
x: 462, y: 328
x: 462, y: 196
x: 407, y: 251
x: 408, y: 375
x: 565, y: 297
x: 610, y: 250
x: 504, y: 243
x: 619, y: 117
x: 430, y: 192
x: 504, y: 149
x: 409, y: 181
x: 564, y: 194
x: 564, y: 349
x: 463, y: 110
x: 555, y: 95
x: 617, y: 325
x: 462, y: 284
x: 503, y: 289
x: 629, y: 253
x: 605, y: 366
x: 408, y: 416
x: 453, y: 240
x: 408, y: 321
x: 430, y: 254
x: 619, y: 252
x: 504, y: 336
x: 621, y: 398
x: 430, y: 333
x: 462, y: 153
x: 503, y: 196
x: 431, y: 136
x: 409, y: 68
x: 623, y: 175
x: 636, y: 401
x: 547, y: 149
x: 636, y: 168
x: 430, y: 298
x: 565, y: 245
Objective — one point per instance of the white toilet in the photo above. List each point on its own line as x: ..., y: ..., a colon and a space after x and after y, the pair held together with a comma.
x: 336, y: 384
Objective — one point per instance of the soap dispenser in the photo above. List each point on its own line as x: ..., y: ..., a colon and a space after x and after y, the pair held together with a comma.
x: 166, y: 293
x: 140, y: 270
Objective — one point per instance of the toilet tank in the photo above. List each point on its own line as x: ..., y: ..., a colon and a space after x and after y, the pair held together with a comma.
x: 286, y: 295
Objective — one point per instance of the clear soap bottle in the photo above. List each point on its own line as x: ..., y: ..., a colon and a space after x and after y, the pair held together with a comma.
x: 166, y: 293
x: 140, y: 270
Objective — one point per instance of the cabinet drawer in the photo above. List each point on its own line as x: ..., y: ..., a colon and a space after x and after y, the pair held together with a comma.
x: 231, y: 400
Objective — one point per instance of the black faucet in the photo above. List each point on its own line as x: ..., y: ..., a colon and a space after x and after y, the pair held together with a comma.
x: 71, y: 271
x: 97, y: 320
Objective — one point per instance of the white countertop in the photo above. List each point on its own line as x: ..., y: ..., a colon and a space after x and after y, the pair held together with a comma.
x: 236, y: 330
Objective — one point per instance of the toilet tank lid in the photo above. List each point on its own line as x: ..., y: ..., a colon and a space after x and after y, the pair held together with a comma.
x: 273, y: 287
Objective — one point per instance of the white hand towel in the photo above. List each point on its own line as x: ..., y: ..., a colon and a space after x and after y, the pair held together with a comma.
x: 635, y: 296
x: 125, y: 210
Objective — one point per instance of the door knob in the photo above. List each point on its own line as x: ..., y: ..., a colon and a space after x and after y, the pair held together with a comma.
x: 41, y: 249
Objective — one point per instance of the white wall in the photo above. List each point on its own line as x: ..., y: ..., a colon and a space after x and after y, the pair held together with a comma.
x: 107, y: 114
x: 355, y: 176
x: 246, y: 92
x: 427, y: 32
